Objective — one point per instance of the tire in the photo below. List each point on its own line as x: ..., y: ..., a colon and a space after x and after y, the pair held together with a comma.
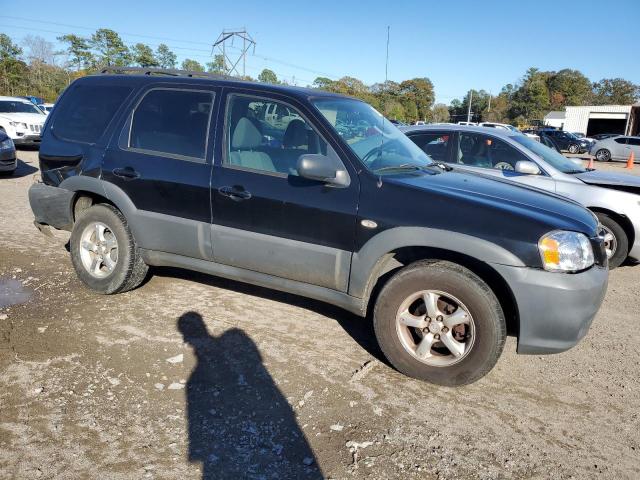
x: 485, y: 333
x: 620, y: 244
x: 573, y: 148
x: 122, y: 267
x: 603, y: 155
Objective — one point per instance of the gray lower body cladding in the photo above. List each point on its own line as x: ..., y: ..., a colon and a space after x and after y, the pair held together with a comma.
x: 52, y: 205
x: 555, y: 309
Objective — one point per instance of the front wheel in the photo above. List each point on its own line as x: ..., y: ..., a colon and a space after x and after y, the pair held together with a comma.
x: 103, y: 251
x: 439, y: 322
x: 603, y: 155
x: 573, y: 148
x: 616, y: 241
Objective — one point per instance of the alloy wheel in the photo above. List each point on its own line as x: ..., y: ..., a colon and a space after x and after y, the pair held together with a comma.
x: 98, y: 250
x: 435, y: 328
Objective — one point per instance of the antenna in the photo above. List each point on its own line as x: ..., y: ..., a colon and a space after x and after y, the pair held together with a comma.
x: 386, y: 63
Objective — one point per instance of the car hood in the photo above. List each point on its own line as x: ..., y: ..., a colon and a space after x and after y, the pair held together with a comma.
x: 30, y: 118
x: 503, y: 194
x: 612, y: 179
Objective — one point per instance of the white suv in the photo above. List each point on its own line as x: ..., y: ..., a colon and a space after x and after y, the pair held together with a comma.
x: 21, y: 120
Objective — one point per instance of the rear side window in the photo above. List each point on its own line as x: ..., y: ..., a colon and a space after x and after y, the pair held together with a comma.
x: 87, y: 110
x: 173, y: 122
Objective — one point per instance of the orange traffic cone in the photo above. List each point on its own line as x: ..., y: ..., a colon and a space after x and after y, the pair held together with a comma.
x: 590, y: 164
x: 630, y: 161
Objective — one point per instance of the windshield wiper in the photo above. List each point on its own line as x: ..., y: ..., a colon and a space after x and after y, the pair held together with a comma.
x: 443, y: 166
x: 570, y: 172
x: 402, y: 167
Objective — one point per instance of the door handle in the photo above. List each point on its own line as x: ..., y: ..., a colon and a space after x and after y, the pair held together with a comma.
x: 234, y: 193
x: 127, y: 173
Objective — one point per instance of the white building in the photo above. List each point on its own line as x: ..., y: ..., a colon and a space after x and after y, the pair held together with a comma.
x: 554, y: 119
x: 594, y: 119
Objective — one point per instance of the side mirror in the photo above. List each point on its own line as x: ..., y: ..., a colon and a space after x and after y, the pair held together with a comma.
x: 322, y: 168
x: 527, y: 168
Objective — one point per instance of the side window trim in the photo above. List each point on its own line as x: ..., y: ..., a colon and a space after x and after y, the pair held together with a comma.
x: 226, y: 142
x: 124, y: 139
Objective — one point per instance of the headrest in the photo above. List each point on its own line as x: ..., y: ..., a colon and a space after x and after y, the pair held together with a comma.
x: 246, y: 135
x: 295, y: 135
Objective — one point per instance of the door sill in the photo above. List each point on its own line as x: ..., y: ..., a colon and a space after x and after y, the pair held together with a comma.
x: 162, y: 259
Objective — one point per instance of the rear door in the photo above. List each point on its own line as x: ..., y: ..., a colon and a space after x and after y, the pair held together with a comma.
x: 619, y: 150
x: 268, y: 219
x: 161, y: 158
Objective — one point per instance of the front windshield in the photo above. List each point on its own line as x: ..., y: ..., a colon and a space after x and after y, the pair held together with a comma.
x: 382, y: 148
x: 11, y: 106
x: 549, y: 155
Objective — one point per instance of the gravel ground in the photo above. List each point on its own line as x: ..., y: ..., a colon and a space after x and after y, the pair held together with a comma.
x: 193, y: 376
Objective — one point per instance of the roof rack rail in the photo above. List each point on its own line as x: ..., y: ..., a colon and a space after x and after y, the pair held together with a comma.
x: 162, y: 71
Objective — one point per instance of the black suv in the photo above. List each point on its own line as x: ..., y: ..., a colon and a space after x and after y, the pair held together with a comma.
x: 316, y: 194
x: 566, y: 140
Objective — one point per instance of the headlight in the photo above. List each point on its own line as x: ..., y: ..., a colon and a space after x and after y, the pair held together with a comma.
x: 18, y: 124
x: 6, y: 145
x: 562, y: 251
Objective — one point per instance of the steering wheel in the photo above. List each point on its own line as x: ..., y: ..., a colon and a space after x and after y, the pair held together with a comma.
x: 504, y: 166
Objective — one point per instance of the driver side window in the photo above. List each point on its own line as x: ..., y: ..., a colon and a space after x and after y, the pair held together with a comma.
x: 268, y: 136
x: 477, y: 150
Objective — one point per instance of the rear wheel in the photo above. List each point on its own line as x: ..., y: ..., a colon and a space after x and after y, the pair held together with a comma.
x: 615, y: 240
x: 438, y: 321
x: 603, y: 155
x: 103, y: 251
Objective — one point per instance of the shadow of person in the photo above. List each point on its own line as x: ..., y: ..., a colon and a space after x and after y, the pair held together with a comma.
x: 240, y: 424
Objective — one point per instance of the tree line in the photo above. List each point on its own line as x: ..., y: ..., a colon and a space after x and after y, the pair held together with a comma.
x: 35, y: 67
x: 539, y: 92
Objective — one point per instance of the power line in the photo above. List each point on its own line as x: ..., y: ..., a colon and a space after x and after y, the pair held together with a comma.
x: 262, y: 57
x: 293, y: 78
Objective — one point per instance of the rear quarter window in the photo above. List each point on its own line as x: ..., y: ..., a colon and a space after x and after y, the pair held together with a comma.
x: 87, y: 110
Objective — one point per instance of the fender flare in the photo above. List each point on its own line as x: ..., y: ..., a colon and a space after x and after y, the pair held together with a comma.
x: 102, y: 188
x: 366, y: 262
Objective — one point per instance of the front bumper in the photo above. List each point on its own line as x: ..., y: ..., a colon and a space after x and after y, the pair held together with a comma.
x: 27, y: 140
x: 52, y: 205
x: 555, y: 309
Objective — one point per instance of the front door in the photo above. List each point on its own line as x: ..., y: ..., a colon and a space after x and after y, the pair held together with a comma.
x: 161, y: 159
x: 492, y: 156
x: 268, y: 219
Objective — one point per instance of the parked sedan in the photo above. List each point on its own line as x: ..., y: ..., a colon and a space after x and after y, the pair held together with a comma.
x: 8, y: 161
x: 616, y: 148
x: 613, y: 197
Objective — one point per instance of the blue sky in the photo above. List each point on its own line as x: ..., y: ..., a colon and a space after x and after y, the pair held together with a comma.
x: 457, y: 44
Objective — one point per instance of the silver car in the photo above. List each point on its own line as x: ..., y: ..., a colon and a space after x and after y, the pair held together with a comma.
x: 613, y: 197
x: 616, y: 148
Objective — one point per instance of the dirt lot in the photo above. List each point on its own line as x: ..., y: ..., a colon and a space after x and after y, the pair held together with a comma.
x: 192, y: 375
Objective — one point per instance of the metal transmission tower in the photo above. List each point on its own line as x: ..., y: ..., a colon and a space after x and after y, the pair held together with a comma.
x: 228, y: 36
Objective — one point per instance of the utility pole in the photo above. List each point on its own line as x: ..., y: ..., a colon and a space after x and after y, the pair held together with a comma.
x: 469, y: 109
x: 489, y: 109
x: 221, y: 45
